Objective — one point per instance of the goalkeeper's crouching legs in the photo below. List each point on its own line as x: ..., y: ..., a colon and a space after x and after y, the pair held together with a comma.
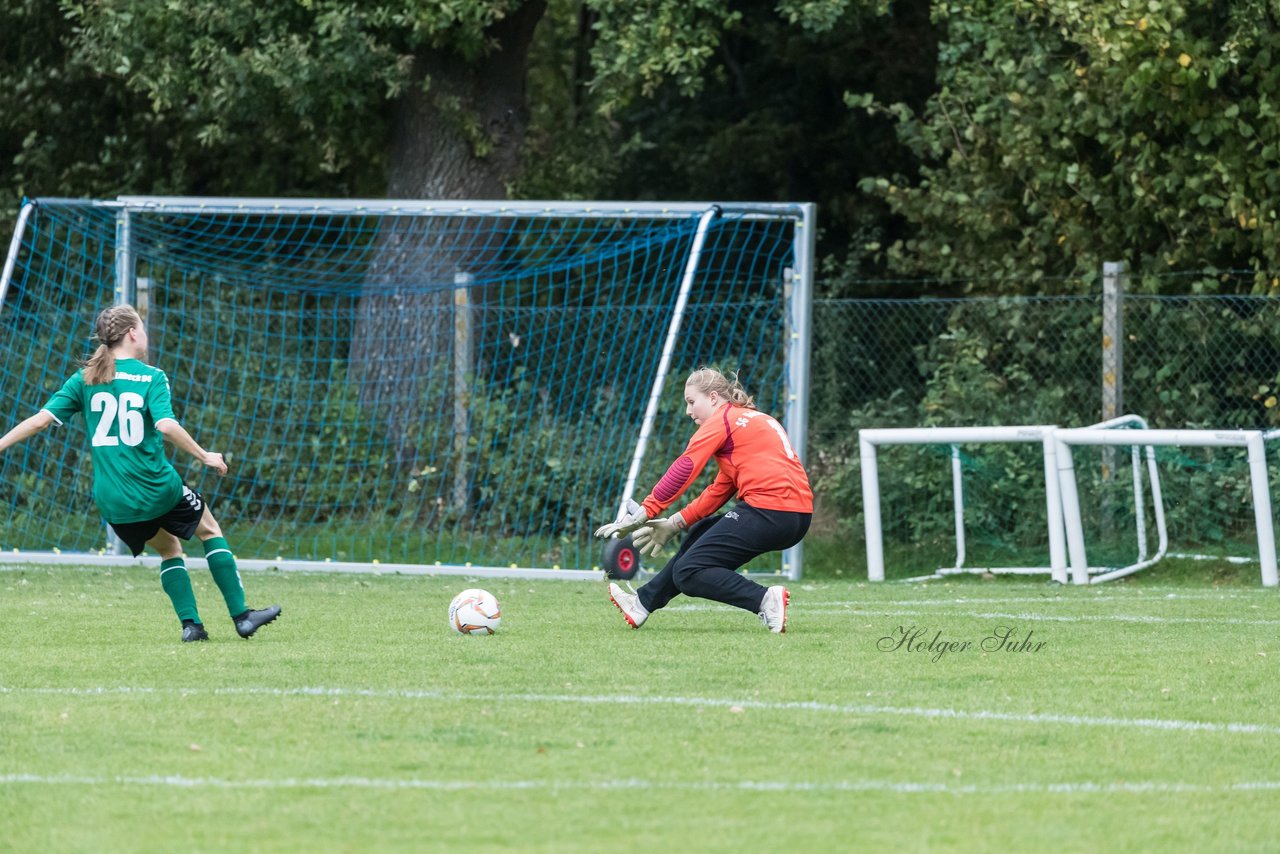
x: 715, y: 548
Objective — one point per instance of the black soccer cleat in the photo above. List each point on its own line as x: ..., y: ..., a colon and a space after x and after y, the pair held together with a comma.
x: 192, y: 632
x: 250, y: 621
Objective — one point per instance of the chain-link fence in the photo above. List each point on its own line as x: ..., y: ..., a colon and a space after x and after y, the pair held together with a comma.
x: 1191, y: 361
x: 1194, y: 361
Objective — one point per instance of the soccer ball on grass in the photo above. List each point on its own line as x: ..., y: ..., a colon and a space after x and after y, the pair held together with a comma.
x: 474, y: 612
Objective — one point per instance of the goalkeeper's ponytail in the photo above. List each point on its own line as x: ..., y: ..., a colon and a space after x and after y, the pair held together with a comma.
x: 707, y: 380
x: 109, y: 329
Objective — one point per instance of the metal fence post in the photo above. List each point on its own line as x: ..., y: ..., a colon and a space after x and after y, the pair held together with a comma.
x: 1113, y: 276
x: 125, y: 293
x: 461, y: 396
x: 1113, y: 282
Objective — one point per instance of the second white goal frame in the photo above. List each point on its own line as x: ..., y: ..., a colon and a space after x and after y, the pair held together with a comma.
x: 1067, y: 549
x: 868, y: 442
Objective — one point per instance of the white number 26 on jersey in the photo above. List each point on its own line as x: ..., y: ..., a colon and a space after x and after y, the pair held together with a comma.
x: 123, y: 411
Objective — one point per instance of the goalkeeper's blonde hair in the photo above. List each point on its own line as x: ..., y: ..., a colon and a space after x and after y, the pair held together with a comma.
x: 707, y: 380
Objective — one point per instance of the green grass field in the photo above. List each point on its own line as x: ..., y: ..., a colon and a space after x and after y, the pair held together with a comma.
x: 1146, y: 720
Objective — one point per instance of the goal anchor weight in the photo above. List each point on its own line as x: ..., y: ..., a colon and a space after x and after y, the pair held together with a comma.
x: 621, y: 559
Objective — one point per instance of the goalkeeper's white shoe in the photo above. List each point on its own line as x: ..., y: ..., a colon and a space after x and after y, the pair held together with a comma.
x: 629, y: 605
x: 773, y: 609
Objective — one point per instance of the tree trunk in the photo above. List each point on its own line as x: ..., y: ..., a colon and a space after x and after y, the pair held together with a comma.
x: 401, y: 351
x: 431, y: 156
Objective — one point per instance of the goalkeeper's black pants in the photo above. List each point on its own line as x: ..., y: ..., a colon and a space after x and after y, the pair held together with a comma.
x: 715, y: 548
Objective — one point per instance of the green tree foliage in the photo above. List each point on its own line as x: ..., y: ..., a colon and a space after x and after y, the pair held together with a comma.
x: 1057, y: 134
x: 765, y: 119
x: 306, y: 84
x: 47, y: 145
x: 1068, y: 132
x: 286, y: 98
x: 119, y: 97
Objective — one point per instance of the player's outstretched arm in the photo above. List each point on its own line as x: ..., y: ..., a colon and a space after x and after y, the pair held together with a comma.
x: 26, y: 429
x: 181, y: 439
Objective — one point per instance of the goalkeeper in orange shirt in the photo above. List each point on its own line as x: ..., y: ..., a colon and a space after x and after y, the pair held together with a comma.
x: 775, y: 505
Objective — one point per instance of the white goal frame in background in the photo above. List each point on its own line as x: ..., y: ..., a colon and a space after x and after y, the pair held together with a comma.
x: 869, y: 440
x: 1067, y: 547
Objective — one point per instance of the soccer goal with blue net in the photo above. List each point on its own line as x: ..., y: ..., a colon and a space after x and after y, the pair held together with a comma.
x: 450, y: 386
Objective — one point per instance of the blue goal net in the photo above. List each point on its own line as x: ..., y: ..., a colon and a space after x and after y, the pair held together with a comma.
x: 407, y: 383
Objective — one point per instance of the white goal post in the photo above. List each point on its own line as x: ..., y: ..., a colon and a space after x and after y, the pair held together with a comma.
x: 1066, y: 536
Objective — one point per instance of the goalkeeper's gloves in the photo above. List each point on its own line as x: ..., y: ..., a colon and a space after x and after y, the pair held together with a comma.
x: 631, y: 516
x: 652, y: 537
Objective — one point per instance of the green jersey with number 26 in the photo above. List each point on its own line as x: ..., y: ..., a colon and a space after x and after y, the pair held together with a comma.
x: 133, y: 480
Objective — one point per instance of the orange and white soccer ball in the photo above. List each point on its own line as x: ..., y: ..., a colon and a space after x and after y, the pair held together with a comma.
x: 474, y: 612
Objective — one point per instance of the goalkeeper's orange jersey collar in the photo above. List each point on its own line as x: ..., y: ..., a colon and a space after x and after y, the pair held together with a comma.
x: 756, y: 462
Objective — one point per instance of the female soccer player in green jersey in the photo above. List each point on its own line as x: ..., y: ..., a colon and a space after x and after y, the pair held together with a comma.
x: 126, y: 407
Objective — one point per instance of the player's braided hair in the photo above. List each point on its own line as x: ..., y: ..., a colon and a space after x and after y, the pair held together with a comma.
x: 109, y: 329
x: 707, y: 380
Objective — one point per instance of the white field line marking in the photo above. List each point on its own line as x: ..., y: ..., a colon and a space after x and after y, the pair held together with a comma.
x: 1048, y: 590
x: 1048, y: 600
x: 871, y: 610
x: 1154, y: 724
x: 891, y: 786
x: 1062, y: 618
x: 800, y: 601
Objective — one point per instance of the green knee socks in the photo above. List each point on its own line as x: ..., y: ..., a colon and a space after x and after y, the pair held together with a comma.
x: 222, y: 566
x: 177, y: 583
